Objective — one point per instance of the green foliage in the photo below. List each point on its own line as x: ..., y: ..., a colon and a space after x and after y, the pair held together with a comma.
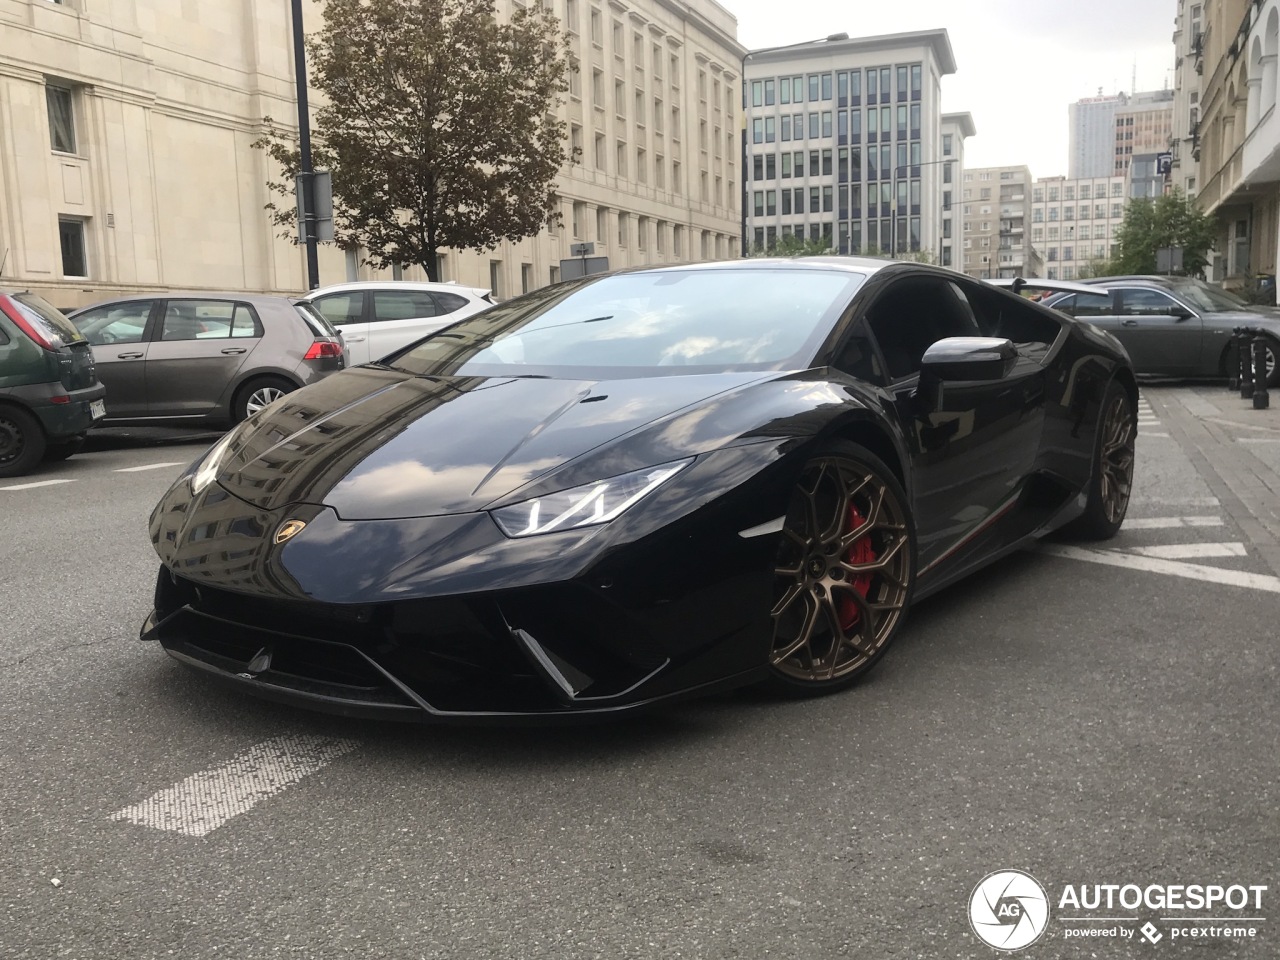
x: 1167, y: 221
x: 1099, y: 267
x: 438, y: 126
x: 789, y: 245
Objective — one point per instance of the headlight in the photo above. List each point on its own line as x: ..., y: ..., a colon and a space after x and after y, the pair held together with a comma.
x: 208, y: 468
x: 584, y: 506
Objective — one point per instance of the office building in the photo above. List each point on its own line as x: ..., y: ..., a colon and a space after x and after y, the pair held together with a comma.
x: 1074, y: 223
x: 996, y: 209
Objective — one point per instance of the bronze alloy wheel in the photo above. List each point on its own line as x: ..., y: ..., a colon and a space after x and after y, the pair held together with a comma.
x: 844, y: 572
x: 1119, y: 433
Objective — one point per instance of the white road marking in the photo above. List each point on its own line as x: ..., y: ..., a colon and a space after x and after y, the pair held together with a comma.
x: 206, y: 800
x: 1172, y: 568
x: 37, y: 483
x: 1189, y: 551
x: 149, y: 466
x: 1257, y: 439
x: 1181, y: 501
x: 1153, y: 435
x: 1170, y: 523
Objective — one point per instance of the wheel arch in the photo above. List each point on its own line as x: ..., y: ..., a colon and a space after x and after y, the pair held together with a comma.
x: 875, y: 438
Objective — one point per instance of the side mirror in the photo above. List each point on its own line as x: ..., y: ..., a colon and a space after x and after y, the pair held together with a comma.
x: 968, y: 359
x: 1180, y: 313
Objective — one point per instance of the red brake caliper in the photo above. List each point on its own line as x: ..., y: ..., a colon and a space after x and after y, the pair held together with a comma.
x: 861, y: 552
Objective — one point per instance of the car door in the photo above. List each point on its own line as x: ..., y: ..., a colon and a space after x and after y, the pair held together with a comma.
x: 199, y: 347
x: 348, y: 311
x: 120, y: 337
x: 972, y: 449
x: 1161, y: 335
x: 400, y: 317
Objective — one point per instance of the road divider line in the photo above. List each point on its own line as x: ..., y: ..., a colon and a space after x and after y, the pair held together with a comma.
x: 1171, y: 523
x: 1190, y: 551
x: 1171, y: 568
x: 1180, y: 501
x: 38, y: 483
x: 150, y: 466
x: 208, y: 799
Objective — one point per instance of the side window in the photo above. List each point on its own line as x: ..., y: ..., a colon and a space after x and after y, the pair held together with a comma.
x: 116, y: 323
x: 244, y: 322
x: 449, y: 302
x: 1011, y: 317
x: 402, y: 305
x: 197, y: 319
x: 857, y: 357
x: 341, y: 308
x: 1144, y: 303
x: 1086, y: 305
x: 912, y: 315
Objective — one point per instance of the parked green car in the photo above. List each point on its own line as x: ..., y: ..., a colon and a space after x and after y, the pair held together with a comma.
x: 49, y: 389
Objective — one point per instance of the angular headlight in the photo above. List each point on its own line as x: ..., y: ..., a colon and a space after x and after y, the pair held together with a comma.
x: 584, y: 506
x: 208, y: 468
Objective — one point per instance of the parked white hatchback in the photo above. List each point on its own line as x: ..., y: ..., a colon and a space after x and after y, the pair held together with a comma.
x: 379, y: 316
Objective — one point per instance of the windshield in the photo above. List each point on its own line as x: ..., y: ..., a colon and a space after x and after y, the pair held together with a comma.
x: 1206, y: 297
x: 46, y: 318
x: 661, y: 322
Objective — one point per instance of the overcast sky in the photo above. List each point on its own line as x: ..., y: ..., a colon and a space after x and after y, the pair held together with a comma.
x: 1018, y: 62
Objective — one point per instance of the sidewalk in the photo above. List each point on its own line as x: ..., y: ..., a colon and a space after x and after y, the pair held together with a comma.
x: 1235, y: 448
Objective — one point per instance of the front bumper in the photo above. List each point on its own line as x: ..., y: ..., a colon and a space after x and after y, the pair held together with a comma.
x: 551, y: 654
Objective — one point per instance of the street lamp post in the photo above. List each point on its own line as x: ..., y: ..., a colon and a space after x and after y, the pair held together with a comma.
x: 742, y: 70
x: 306, y: 173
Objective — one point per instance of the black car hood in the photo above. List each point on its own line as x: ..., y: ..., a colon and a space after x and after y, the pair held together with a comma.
x: 377, y: 444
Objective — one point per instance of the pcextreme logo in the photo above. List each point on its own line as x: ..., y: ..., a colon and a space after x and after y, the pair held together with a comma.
x: 1009, y: 910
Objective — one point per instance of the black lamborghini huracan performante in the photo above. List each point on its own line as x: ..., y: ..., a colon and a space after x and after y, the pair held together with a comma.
x: 637, y: 486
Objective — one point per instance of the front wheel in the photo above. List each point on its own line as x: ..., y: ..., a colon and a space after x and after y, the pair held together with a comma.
x: 844, y: 573
x: 1112, y: 480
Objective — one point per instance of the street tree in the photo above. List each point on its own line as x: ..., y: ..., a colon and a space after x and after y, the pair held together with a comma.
x: 1171, y: 220
x: 438, y: 125
x: 790, y: 245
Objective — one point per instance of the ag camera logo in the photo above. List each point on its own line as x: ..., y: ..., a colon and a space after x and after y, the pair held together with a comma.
x: 1008, y: 910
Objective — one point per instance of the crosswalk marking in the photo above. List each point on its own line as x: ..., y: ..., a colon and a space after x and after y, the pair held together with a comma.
x: 206, y: 800
x: 1190, y: 551
x: 149, y: 466
x: 1170, y: 523
x: 38, y: 483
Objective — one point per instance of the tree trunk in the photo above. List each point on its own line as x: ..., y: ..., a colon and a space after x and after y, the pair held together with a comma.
x: 431, y: 264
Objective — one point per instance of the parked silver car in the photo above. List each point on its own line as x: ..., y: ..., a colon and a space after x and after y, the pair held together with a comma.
x: 209, y: 357
x: 379, y: 317
x: 1172, y: 326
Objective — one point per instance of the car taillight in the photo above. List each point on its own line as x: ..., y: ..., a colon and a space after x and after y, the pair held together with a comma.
x: 25, y: 325
x: 322, y: 349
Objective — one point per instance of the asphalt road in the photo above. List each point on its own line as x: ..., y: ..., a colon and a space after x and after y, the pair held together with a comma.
x: 1090, y: 721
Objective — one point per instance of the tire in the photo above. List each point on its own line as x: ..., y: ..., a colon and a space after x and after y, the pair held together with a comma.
x: 1111, y: 480
x: 257, y: 393
x: 63, y: 449
x: 845, y: 572
x: 1231, y: 362
x: 22, y: 441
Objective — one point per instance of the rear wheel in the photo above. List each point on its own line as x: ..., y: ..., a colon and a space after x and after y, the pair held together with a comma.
x: 256, y: 394
x: 22, y: 441
x: 844, y: 572
x: 1113, y: 459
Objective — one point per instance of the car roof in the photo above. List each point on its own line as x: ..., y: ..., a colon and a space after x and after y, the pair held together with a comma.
x: 255, y: 299
x: 1134, y: 278
x: 445, y: 286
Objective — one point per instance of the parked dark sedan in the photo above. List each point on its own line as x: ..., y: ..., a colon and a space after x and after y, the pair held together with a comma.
x: 1173, y: 326
x: 627, y: 488
x: 206, y: 357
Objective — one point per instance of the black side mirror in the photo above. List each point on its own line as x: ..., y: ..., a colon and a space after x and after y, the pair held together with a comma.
x: 1179, y: 312
x: 968, y: 359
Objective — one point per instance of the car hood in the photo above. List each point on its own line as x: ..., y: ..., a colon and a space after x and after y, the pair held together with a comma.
x: 378, y: 444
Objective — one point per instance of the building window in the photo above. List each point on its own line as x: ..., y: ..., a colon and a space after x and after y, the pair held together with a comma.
x: 62, y: 124
x: 71, y: 237
x: 495, y: 280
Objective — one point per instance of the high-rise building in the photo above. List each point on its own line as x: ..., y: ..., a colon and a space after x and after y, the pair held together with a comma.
x: 956, y: 128
x: 996, y: 209
x: 1074, y: 222
x: 128, y: 167
x: 1188, y: 41
x: 1238, y: 135
x: 844, y: 143
x: 1091, y: 136
x: 1143, y: 129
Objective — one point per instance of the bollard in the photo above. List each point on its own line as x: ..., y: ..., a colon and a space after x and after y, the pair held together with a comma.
x: 1233, y: 368
x: 1261, y: 399
x: 1246, y: 363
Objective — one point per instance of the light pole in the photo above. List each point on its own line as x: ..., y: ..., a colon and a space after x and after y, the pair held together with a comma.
x: 306, y: 175
x: 742, y: 70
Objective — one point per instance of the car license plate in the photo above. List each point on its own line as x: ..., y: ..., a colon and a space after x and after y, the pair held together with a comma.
x: 97, y: 409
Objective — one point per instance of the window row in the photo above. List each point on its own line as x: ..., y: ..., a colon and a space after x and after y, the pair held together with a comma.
x: 1099, y: 212
x: 642, y: 231
x: 886, y: 162
x: 881, y: 200
x: 1100, y: 191
x: 844, y: 86
x: 880, y: 123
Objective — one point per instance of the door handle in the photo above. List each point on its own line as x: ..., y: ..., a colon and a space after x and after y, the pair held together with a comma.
x: 234, y: 350
x: 353, y: 339
x: 128, y: 356
x: 1129, y: 323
